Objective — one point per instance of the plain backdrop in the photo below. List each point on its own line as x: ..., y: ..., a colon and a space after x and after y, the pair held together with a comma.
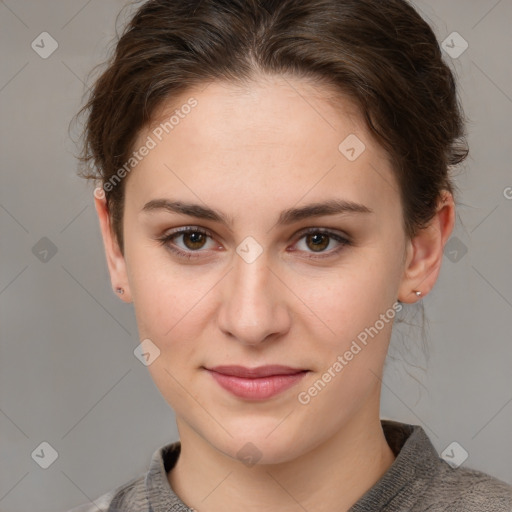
x: 68, y: 375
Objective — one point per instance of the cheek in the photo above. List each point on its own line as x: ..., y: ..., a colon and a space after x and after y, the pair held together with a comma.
x: 171, y: 314
x: 165, y: 294
x: 344, y: 301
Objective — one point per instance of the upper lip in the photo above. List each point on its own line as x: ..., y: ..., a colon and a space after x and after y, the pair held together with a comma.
x: 252, y: 373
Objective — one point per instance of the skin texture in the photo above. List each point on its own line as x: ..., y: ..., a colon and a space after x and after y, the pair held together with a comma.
x: 251, y: 152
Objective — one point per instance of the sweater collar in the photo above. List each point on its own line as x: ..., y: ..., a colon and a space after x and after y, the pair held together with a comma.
x: 413, y: 467
x: 415, y: 464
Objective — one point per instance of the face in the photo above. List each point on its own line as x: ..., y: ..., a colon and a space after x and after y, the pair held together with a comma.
x: 260, y: 277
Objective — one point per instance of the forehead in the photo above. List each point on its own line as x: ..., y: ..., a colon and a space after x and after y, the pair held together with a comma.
x: 266, y: 105
x: 288, y: 137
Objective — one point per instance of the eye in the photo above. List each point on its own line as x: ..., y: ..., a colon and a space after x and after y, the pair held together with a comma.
x: 317, y: 240
x: 193, y: 238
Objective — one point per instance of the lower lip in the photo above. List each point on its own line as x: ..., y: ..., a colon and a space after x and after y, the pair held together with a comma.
x: 257, y: 389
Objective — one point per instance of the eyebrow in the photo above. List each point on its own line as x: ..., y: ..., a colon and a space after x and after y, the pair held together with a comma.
x: 289, y: 216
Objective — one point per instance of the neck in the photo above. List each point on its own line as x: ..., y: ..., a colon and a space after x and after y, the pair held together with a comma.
x: 331, y: 477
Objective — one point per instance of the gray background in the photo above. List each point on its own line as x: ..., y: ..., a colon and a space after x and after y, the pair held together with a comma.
x: 68, y: 375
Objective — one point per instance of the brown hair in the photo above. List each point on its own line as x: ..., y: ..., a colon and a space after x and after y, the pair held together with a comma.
x: 381, y: 54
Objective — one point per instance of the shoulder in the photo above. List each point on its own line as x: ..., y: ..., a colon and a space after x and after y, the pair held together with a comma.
x: 128, y: 497
x: 469, y: 490
x: 421, y: 481
x: 134, y: 495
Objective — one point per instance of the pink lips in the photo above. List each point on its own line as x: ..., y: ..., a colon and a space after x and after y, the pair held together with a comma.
x: 256, y: 383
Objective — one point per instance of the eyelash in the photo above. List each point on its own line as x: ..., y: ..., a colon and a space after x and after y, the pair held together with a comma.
x: 164, y: 241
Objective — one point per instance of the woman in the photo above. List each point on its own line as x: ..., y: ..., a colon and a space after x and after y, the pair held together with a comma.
x: 274, y: 186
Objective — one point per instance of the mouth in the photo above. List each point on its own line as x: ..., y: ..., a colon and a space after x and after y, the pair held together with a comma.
x: 259, y: 383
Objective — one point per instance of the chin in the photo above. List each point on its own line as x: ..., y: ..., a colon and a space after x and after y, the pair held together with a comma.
x: 256, y: 442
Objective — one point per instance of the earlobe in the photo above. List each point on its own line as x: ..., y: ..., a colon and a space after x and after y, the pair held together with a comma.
x: 425, y: 252
x: 115, y: 260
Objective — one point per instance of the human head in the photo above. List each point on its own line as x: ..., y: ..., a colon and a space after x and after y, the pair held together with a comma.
x: 361, y: 67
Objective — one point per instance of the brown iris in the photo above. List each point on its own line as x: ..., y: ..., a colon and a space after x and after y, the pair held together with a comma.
x: 197, y: 239
x: 316, y: 238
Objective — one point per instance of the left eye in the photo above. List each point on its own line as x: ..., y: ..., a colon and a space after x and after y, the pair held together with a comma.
x: 319, y: 240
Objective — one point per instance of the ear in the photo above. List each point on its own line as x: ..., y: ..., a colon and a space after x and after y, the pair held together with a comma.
x: 424, y: 253
x: 115, y: 259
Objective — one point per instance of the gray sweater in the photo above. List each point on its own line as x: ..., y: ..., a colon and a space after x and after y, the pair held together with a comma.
x: 418, y: 481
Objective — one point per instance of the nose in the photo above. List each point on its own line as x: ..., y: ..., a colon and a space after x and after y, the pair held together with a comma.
x: 253, y: 307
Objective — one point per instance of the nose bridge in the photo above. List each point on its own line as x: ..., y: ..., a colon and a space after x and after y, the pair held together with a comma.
x: 252, y: 307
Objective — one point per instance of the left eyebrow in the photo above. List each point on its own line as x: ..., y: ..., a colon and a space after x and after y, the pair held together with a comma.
x: 286, y: 217
x: 332, y: 207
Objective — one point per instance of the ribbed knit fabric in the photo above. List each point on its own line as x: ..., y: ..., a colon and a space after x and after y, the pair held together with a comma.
x: 417, y: 481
